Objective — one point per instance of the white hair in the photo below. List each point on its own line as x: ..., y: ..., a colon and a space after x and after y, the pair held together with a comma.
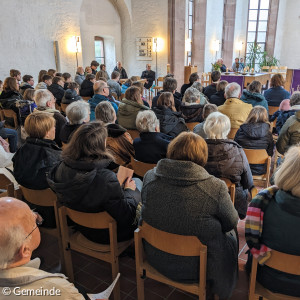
x: 77, y: 112
x: 146, y: 121
x: 217, y: 126
x: 232, y: 90
x: 191, y: 95
x: 12, y: 238
x: 41, y: 97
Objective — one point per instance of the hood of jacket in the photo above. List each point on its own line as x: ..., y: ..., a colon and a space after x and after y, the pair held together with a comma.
x: 25, y: 85
x: 288, y: 202
x: 86, y: 84
x: 220, y: 150
x: 127, y: 107
x: 71, y: 95
x: 72, y: 179
x: 47, y: 109
x: 191, y: 111
x: 255, y: 130
x: 96, y: 99
x: 115, y: 130
x: 10, y: 94
x: 41, y: 86
x: 253, y: 96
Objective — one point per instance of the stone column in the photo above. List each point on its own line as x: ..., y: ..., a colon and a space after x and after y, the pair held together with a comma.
x: 272, y: 25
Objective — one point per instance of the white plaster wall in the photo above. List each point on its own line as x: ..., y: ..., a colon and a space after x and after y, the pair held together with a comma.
x: 214, y: 28
x: 27, y: 42
x: 100, y: 18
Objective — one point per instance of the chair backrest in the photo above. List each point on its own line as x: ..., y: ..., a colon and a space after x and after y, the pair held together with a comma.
x: 63, y: 106
x: 191, y: 125
x: 232, y: 133
x: 272, y: 110
x: 134, y: 133
x: 9, y: 114
x: 39, y: 197
x: 283, y: 69
x: 231, y: 188
x: 123, y: 81
x: 256, y: 156
x: 265, y: 68
x: 6, y: 184
x: 141, y: 168
x: 159, y: 81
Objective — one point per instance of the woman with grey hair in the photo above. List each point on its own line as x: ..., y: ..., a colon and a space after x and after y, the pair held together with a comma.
x: 118, y: 141
x: 152, y: 144
x: 203, y: 99
x: 78, y: 113
x: 192, y: 105
x: 226, y: 159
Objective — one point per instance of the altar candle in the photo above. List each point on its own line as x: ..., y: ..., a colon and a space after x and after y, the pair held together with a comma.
x: 252, y: 70
x: 226, y: 70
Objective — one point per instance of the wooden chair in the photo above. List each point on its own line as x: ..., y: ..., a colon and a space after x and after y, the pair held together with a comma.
x: 231, y: 188
x: 63, y: 107
x: 232, y: 133
x: 12, y: 115
x: 77, y: 242
x: 134, y: 133
x: 260, y: 156
x: 86, y: 98
x: 272, y: 110
x: 276, y: 156
x: 265, y: 69
x: 191, y: 125
x: 282, y: 70
x: 172, y: 244
x: 159, y: 85
x: 141, y: 168
x: 273, y: 69
x: 115, y: 96
x: 205, y: 79
x: 122, y: 81
x: 279, y: 261
x: 7, y: 186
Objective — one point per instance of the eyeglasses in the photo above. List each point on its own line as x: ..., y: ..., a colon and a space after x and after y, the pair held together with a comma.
x: 39, y: 221
x: 106, y: 87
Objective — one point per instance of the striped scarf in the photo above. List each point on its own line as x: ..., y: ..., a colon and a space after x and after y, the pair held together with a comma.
x: 254, y: 224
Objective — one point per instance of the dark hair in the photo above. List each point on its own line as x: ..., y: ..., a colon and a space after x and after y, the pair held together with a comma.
x: 222, y: 85
x: 169, y: 84
x: 193, y: 77
x: 215, y: 76
x: 27, y: 78
x: 10, y: 84
x: 41, y: 74
x: 169, y: 75
x: 208, y: 109
x: 94, y: 63
x: 46, y: 77
x: 115, y: 74
x: 90, y: 77
x: 14, y: 73
x: 58, y: 74
x: 277, y: 80
x: 102, y: 65
x: 133, y: 93
x: 88, y: 143
x: 28, y: 94
x: 73, y: 85
x: 51, y: 72
x: 66, y: 76
x: 100, y: 74
x: 166, y: 99
x: 102, y: 78
x: 140, y: 85
x: 254, y: 87
x: 56, y: 79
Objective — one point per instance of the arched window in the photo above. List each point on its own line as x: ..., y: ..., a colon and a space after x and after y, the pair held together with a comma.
x: 189, y: 24
x: 99, y: 50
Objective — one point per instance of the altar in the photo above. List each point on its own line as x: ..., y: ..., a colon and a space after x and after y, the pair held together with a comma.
x: 245, y: 80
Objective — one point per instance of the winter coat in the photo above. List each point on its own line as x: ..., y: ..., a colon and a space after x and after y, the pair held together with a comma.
x: 119, y: 142
x: 114, y: 87
x: 67, y: 131
x: 254, y: 99
x: 89, y: 186
x: 171, y: 122
x: 60, y: 121
x: 41, y: 86
x: 177, y: 100
x: 217, y: 98
x: 236, y: 110
x: 124, y: 87
x: 151, y: 147
x: 57, y: 91
x: 184, y: 88
x: 280, y: 233
x: 256, y: 136
x: 275, y: 95
x: 86, y: 88
x: 8, y: 100
x: 79, y: 78
x: 128, y: 111
x: 282, y: 116
x: 226, y: 159
x: 199, y: 129
x: 210, y: 90
x: 150, y: 76
x: 70, y: 96
x: 24, y: 86
x: 289, y: 133
x: 180, y: 197
x: 95, y: 100
x: 123, y: 74
x: 191, y: 112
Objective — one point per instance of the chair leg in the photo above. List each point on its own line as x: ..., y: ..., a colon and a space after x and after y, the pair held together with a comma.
x: 61, y: 254
x: 115, y: 271
x: 140, y: 287
x: 68, y: 265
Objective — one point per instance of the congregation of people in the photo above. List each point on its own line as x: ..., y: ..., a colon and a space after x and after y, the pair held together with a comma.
x: 74, y: 134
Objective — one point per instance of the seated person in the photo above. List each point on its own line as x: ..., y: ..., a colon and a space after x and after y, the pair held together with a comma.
x: 171, y: 121
x: 36, y: 157
x: 197, y: 85
x: 118, y: 141
x: 221, y: 64
x: 207, y: 110
x: 103, y: 69
x: 27, y: 83
x: 126, y: 85
x: 129, y: 107
x: 79, y: 77
x: 119, y: 68
x: 218, y: 98
x: 278, y: 207
x: 276, y: 93
x: 45, y: 102
x: 46, y: 81
x: 83, y: 181
x: 52, y: 73
x: 57, y: 89
x: 113, y: 83
x: 94, y: 67
x: 20, y: 236
x: 29, y: 107
x: 179, y: 188
x: 255, y: 133
x: 226, y: 159
x: 237, y: 66
x: 190, y: 108
x: 78, y: 113
x: 152, y: 145
x: 67, y: 79
x: 193, y: 78
x: 212, y: 88
x: 140, y: 85
x: 88, y: 70
x: 149, y: 75
x: 71, y: 94
x: 253, y: 95
x: 242, y: 63
x: 86, y: 88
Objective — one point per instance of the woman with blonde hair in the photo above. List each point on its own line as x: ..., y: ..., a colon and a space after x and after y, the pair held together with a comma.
x: 171, y: 121
x: 255, y: 133
x: 273, y: 221
x: 180, y: 197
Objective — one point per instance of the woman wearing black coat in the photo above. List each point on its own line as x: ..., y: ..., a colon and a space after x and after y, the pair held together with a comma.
x: 255, y: 133
x: 171, y: 122
x: 84, y: 182
x: 86, y: 88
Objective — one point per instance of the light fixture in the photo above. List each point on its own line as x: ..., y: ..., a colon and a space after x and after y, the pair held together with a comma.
x: 239, y: 47
x: 216, y: 46
x: 158, y: 44
x: 188, y: 45
x: 74, y: 45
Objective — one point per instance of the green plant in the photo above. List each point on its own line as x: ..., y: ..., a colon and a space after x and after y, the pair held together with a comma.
x: 216, y: 66
x: 267, y: 60
x: 253, y: 56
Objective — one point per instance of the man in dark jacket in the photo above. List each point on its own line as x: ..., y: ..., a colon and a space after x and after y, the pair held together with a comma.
x: 193, y: 78
x: 219, y: 97
x: 57, y: 89
x: 27, y: 83
x: 121, y: 70
x: 86, y: 88
x: 149, y: 75
x: 94, y: 66
x: 212, y: 88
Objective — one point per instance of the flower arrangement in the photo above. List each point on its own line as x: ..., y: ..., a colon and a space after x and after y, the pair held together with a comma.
x: 217, y: 66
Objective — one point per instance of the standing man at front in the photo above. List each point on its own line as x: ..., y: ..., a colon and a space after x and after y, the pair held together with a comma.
x: 149, y: 75
x: 121, y: 70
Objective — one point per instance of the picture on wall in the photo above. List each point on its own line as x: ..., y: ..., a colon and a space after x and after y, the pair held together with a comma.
x: 144, y: 48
